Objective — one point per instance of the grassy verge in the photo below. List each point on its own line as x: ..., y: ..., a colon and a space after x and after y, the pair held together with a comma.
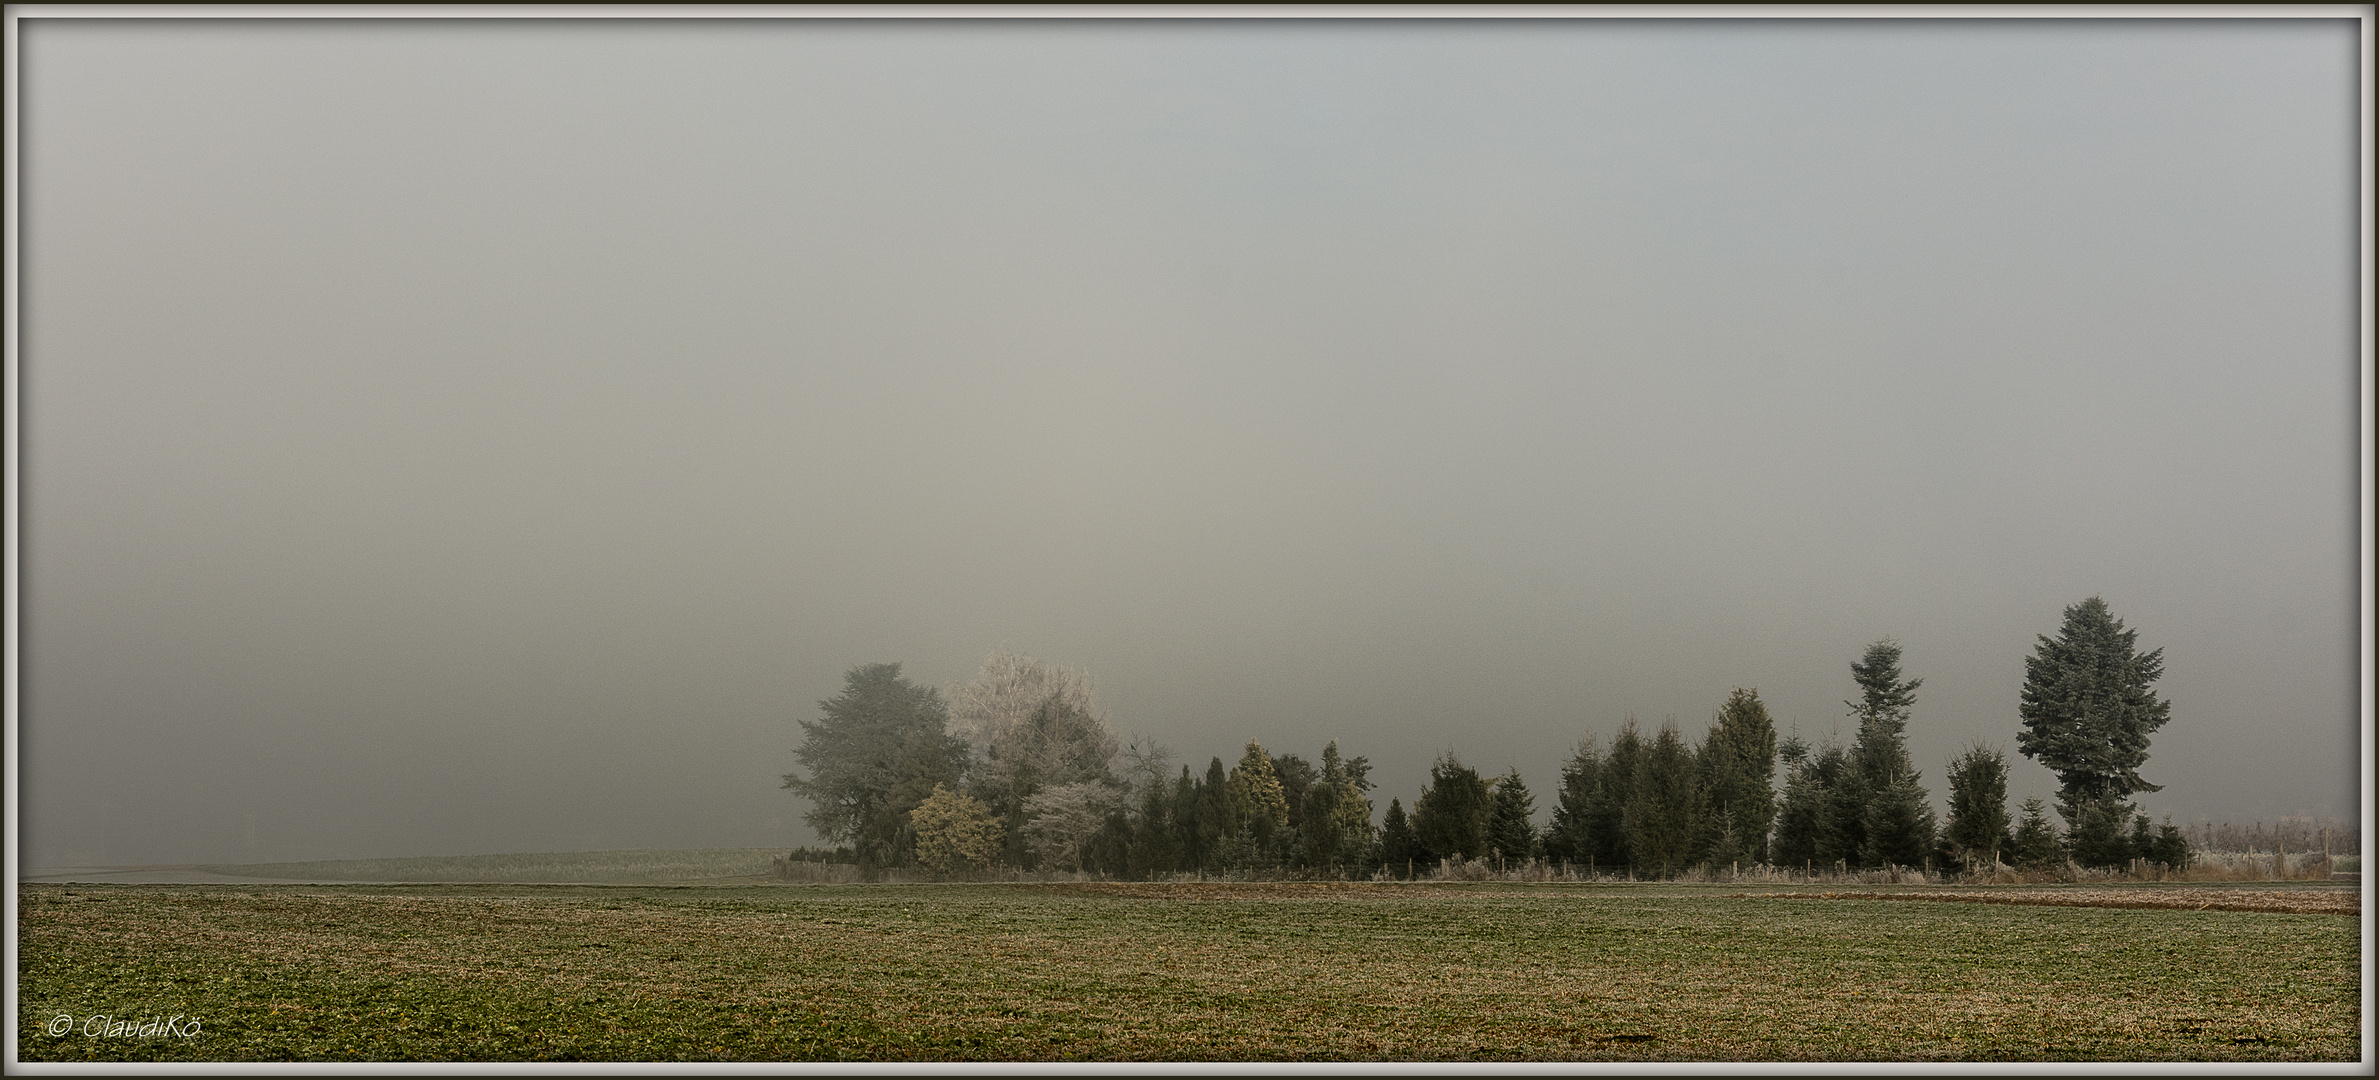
x: 1286, y: 972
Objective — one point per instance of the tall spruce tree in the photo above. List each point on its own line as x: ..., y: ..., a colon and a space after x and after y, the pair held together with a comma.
x: 1738, y: 764
x: 1258, y: 805
x: 2170, y: 847
x: 1336, y: 824
x: 1215, y: 822
x: 2088, y: 710
x: 1664, y: 810
x: 1569, y: 839
x: 1398, y: 851
x: 1978, y: 827
x: 1511, y: 832
x: 2097, y: 839
x: 1189, y: 850
x: 1606, y: 818
x: 1885, y: 814
x: 1156, y: 833
x: 1450, y: 817
x: 1296, y: 776
x: 1900, y: 827
x: 2036, y: 843
x: 1801, y: 816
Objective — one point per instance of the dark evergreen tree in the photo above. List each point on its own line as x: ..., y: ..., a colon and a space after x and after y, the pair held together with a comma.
x: 2036, y: 844
x: 1260, y: 810
x: 1822, y: 819
x: 2088, y: 711
x: 1899, y: 825
x: 1189, y: 848
x: 1110, y: 849
x: 1450, y: 817
x: 2171, y: 847
x: 1398, y: 851
x: 1844, y: 835
x: 1664, y: 810
x: 877, y: 750
x: 1296, y: 776
x: 1606, y: 812
x: 1155, y: 841
x: 1885, y: 793
x: 1569, y: 839
x: 1738, y: 766
x: 2097, y: 840
x: 1978, y: 827
x: 1217, y: 820
x: 2143, y: 837
x: 1801, y: 817
x: 1336, y: 818
x: 1511, y: 830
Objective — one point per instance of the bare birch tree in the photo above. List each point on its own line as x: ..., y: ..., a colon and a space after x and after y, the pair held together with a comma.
x: 1030, y: 725
x: 1060, y: 822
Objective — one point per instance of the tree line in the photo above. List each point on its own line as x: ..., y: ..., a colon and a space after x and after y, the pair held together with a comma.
x: 1018, y: 767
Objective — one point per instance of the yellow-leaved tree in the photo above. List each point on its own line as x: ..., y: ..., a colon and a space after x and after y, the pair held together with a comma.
x: 1256, y: 796
x: 955, y: 833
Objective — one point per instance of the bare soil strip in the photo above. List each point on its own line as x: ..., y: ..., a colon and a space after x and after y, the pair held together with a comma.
x: 2290, y: 902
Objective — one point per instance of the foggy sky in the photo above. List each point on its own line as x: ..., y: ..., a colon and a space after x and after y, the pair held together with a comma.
x: 478, y: 436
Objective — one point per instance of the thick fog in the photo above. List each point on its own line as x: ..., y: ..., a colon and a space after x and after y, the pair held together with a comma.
x: 480, y: 436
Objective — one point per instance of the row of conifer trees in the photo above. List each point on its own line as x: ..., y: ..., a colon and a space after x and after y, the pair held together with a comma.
x: 1653, y: 805
x: 1645, y: 805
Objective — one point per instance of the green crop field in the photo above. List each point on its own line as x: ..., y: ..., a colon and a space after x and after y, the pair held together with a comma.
x: 1432, y: 972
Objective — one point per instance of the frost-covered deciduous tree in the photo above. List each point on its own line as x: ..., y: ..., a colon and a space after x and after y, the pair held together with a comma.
x: 1059, y: 822
x: 1030, y: 725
